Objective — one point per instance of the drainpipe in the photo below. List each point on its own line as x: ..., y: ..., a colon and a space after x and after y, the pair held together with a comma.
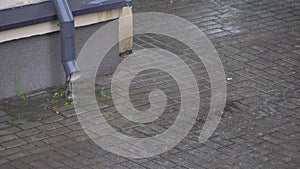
x: 67, y: 31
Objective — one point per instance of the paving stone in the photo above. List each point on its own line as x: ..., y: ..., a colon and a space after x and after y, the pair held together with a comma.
x: 75, y: 133
x: 58, y: 131
x: 7, y: 138
x: 20, y: 165
x: 18, y: 155
x: 73, y: 163
x: 50, y: 126
x: 129, y: 164
x: 14, y: 143
x: 36, y: 137
x: 118, y: 166
x: 41, y: 149
x: 56, y: 164
x: 41, y: 164
x: 4, y: 125
x: 2, y: 113
x: 6, y: 166
x: 29, y: 132
x: 3, y: 160
x: 150, y: 164
x: 30, y: 125
x: 6, y: 119
x: 55, y: 139
x: 9, y: 131
x: 10, y: 151
x: 54, y: 118
x: 33, y: 157
x: 258, y: 44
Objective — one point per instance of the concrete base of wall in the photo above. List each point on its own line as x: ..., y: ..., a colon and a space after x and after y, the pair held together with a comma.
x: 37, y: 60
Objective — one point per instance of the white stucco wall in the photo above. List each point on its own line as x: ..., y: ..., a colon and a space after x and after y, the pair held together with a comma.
x: 14, y: 3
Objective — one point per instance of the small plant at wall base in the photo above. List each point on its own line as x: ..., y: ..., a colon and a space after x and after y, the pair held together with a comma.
x: 21, y: 92
x: 103, y: 94
x: 67, y: 103
x: 44, y: 105
x: 58, y: 94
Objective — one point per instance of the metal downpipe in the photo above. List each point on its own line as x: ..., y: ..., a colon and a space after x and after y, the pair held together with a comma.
x: 67, y: 36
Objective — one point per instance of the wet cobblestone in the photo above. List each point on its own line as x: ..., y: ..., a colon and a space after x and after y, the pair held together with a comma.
x: 258, y: 43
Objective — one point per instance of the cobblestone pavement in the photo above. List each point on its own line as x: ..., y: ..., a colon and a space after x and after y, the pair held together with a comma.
x: 258, y: 43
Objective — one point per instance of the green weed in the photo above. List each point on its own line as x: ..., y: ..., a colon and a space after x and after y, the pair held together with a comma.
x: 108, y: 113
x: 105, y: 107
x: 58, y: 94
x: 229, y: 78
x: 53, y: 101
x: 104, y: 94
x: 44, y: 105
x: 142, y: 125
x: 21, y: 92
x: 69, y: 103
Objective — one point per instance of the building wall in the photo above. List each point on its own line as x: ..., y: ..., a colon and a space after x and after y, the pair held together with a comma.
x: 37, y: 60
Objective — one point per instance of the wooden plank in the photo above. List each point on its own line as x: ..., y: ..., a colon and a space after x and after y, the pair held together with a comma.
x: 53, y: 26
x: 126, y: 30
x: 44, y: 12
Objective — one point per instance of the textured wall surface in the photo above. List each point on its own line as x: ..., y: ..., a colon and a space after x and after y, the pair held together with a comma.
x: 37, y: 60
x: 14, y: 3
